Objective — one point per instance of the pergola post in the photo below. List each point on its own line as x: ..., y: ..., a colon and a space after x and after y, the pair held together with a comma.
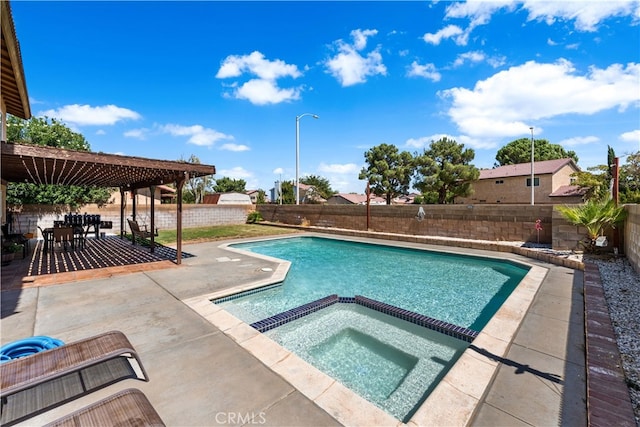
x: 122, y: 206
x: 134, y: 194
x: 179, y: 184
x: 152, y: 189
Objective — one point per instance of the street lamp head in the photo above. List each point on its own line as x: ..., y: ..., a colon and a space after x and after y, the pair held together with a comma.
x: 315, y: 116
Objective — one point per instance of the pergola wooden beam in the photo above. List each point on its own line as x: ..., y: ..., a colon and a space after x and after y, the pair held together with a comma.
x: 47, y: 165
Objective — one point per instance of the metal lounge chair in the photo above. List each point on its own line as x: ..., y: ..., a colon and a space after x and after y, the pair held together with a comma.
x: 129, y: 407
x: 36, y: 383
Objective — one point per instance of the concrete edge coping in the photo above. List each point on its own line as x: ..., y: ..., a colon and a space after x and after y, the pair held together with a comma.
x: 466, y: 383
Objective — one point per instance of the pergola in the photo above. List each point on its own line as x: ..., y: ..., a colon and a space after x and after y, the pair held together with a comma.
x: 47, y: 165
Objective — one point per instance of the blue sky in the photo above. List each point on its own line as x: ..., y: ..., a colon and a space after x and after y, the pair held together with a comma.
x: 224, y: 81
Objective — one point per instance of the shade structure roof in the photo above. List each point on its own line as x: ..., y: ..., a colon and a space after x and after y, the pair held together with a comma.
x: 48, y: 165
x: 12, y: 83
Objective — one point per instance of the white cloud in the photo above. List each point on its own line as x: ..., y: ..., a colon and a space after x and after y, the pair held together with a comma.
x: 237, y: 172
x: 137, y: 133
x: 255, y: 63
x: 350, y: 67
x: 101, y: 132
x: 197, y: 134
x: 360, y: 37
x: 427, y: 71
x: 340, y: 169
x: 234, y: 147
x: 342, y: 176
x: 425, y: 141
x: 632, y: 136
x: 579, y: 140
x: 278, y: 171
x: 263, y: 90
x: 586, y: 15
x: 446, y: 33
x: 506, y: 103
x: 475, y: 56
x: 86, y: 115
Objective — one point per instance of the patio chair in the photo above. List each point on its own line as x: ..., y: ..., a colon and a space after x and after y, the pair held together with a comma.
x: 63, y: 235
x: 15, y: 238
x: 136, y: 231
x: 128, y: 407
x: 80, y: 236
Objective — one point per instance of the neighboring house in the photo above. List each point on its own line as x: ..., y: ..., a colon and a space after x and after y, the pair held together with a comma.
x: 253, y: 195
x: 511, y: 184
x: 163, y: 193
x: 308, y: 194
x: 227, y: 199
x: 354, y: 199
x: 405, y: 199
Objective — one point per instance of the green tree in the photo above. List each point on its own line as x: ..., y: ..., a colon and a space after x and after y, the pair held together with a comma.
x: 51, y: 133
x: 630, y: 179
x: 196, y: 188
x: 230, y: 185
x: 519, y: 151
x: 45, y: 131
x: 262, y: 197
x: 445, y: 168
x: 288, y: 195
x: 388, y: 171
x: 595, y: 180
x: 322, y: 185
x: 598, y: 179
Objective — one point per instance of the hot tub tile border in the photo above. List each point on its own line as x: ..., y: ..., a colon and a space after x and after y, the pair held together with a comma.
x: 459, y: 332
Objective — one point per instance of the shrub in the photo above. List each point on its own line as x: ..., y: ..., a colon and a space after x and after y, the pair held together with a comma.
x: 253, y: 217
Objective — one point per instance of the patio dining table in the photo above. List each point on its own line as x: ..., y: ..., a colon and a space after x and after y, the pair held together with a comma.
x: 47, y: 235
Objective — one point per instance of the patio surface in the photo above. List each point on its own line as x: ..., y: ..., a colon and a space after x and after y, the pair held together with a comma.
x: 201, y: 376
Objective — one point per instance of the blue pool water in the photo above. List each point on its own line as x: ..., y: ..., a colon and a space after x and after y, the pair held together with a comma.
x: 390, y: 362
x: 462, y: 290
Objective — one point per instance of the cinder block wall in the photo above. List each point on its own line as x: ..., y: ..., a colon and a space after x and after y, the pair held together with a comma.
x: 632, y: 236
x: 31, y: 216
x: 480, y: 222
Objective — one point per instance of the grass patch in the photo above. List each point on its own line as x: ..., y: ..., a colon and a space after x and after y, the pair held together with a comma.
x: 205, y: 234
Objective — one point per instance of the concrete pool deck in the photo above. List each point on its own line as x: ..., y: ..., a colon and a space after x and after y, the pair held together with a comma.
x: 201, y: 374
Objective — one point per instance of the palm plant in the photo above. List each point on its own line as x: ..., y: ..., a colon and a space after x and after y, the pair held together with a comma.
x: 595, y: 216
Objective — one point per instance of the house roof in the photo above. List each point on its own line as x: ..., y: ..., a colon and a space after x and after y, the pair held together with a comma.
x: 522, y: 169
x: 48, y: 165
x: 569, y: 191
x: 12, y: 84
x: 359, y: 199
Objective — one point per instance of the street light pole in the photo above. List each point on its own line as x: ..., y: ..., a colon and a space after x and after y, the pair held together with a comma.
x: 532, y: 174
x: 315, y: 116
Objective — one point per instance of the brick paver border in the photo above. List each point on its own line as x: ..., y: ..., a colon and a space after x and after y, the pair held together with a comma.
x: 608, y: 400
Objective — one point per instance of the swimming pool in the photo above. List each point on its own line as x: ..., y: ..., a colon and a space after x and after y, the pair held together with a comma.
x: 464, y: 385
x: 461, y: 290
